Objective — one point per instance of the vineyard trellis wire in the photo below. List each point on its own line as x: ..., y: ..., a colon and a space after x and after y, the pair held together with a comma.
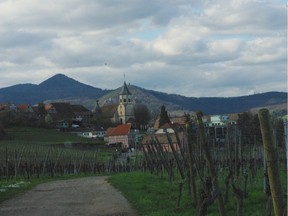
x: 238, y: 159
x: 32, y: 160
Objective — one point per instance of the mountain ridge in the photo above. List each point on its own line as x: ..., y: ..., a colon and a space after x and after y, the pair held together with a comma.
x: 65, y: 89
x: 56, y: 87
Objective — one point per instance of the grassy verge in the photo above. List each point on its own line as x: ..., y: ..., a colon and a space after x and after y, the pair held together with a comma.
x: 152, y: 195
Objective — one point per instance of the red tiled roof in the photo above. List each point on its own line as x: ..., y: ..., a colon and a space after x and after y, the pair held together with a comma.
x: 123, y: 129
x: 109, y: 131
x: 23, y: 106
x: 3, y: 106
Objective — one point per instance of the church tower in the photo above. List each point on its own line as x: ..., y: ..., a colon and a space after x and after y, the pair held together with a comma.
x: 126, y: 107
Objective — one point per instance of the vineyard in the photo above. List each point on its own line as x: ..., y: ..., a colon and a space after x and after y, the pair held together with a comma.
x: 212, y: 169
x: 39, y: 153
x: 215, y: 171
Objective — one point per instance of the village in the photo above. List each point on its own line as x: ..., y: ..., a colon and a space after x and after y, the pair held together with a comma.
x: 127, y: 139
x: 117, y: 124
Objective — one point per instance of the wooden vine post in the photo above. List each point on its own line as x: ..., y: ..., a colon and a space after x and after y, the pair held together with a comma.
x: 191, y: 161
x: 216, y: 192
x: 272, y: 162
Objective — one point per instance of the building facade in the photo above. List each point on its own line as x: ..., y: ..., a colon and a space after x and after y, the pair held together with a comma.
x: 126, y: 105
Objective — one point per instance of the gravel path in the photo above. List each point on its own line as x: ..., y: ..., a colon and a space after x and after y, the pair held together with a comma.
x: 83, y: 196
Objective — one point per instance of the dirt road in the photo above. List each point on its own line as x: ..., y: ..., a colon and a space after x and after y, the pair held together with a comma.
x: 84, y: 196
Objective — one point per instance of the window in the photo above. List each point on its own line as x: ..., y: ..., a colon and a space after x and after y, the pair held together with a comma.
x: 124, y: 100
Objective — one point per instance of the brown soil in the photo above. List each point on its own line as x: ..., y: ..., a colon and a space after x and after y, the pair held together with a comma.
x: 84, y: 196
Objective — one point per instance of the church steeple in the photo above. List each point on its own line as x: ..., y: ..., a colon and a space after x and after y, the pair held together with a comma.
x: 125, y: 108
x: 125, y: 90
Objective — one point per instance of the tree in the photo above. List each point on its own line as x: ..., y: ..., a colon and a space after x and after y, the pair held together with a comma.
x: 41, y: 110
x: 164, y: 118
x: 142, y: 115
x: 7, y: 118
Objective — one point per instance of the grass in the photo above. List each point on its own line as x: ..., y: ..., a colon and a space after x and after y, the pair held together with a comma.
x: 42, y: 136
x: 152, y: 195
x: 149, y: 194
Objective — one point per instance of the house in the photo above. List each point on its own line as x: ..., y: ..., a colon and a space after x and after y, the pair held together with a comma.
x: 13, y: 107
x: 217, y: 126
x: 24, y: 108
x: 64, y: 115
x: 164, y: 129
x: 59, y: 114
x: 177, y: 122
x: 3, y: 107
x: 122, y: 133
x: 163, y: 140
x: 161, y: 135
x: 232, y: 118
x: 81, y: 114
x: 93, y: 133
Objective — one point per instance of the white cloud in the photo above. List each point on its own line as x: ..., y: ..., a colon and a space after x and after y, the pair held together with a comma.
x: 194, y: 48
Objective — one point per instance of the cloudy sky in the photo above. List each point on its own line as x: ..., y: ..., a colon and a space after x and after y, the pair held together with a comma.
x: 189, y: 47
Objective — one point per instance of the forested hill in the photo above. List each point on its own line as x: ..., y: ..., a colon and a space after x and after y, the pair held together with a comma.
x: 63, y: 88
x: 208, y: 105
x: 222, y: 105
x: 58, y: 87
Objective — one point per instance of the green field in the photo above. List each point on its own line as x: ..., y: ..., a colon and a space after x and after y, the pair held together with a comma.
x: 28, y: 135
x: 152, y: 195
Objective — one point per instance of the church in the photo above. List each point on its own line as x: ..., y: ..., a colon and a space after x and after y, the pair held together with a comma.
x: 125, y: 108
x: 120, y: 112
